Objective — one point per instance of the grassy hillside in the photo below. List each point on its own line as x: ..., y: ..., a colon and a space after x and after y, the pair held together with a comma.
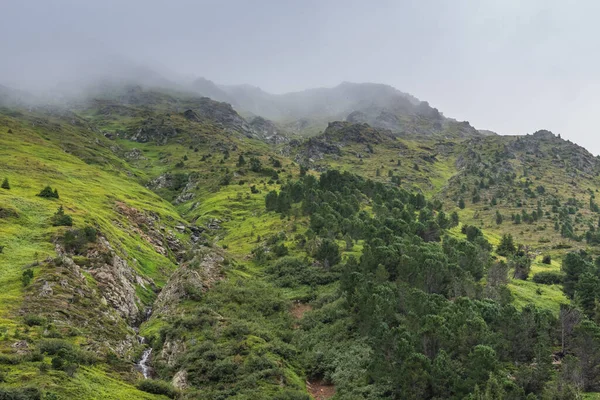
x: 214, y: 242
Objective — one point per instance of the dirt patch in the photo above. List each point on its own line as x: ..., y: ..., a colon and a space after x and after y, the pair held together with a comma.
x: 298, y: 309
x: 319, y: 390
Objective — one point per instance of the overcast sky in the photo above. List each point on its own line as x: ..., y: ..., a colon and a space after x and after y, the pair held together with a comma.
x: 510, y: 66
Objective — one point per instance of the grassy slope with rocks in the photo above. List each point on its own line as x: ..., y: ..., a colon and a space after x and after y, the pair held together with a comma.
x: 206, y: 171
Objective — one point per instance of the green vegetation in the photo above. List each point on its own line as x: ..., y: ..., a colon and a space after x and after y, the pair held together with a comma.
x: 384, y: 265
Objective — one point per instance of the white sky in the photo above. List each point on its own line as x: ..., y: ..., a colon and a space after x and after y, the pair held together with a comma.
x: 510, y: 66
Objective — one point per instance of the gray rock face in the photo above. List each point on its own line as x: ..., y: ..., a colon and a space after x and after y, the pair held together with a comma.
x: 171, y: 351
x: 46, y: 290
x: 179, y: 380
x: 116, y: 281
x: 266, y: 130
x: 190, y: 280
x: 153, y: 130
x: 135, y: 154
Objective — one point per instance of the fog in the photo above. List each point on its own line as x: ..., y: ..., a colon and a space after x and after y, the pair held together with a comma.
x: 512, y: 67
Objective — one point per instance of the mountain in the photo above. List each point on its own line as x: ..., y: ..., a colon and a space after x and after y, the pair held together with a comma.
x: 379, y: 105
x: 155, y: 243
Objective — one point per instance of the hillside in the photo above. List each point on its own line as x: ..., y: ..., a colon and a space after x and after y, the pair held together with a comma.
x: 193, y: 251
x: 309, y: 111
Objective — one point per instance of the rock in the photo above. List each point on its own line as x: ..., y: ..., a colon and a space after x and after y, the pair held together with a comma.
x: 46, y: 290
x: 180, y: 228
x: 184, y: 197
x: 180, y: 380
x: 171, y: 350
x: 21, y: 347
x: 191, y: 279
x: 214, y: 224
x: 266, y: 130
x: 153, y: 130
x: 116, y: 283
x: 135, y: 154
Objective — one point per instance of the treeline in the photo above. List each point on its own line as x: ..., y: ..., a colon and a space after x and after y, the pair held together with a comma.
x: 412, y: 317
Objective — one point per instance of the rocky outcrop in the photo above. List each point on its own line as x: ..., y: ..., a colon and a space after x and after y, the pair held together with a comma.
x: 147, y: 226
x: 267, y: 131
x: 157, y: 130
x: 205, y: 109
x: 179, y: 380
x: 346, y: 133
x: 134, y: 154
x: 191, y: 279
x: 171, y: 351
x: 116, y: 281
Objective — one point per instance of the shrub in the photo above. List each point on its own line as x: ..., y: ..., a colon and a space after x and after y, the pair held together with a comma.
x: 291, y: 395
x: 329, y: 252
x: 158, y: 387
x: 20, y: 394
x: 61, y: 219
x: 548, y: 278
x: 547, y: 259
x: 5, y: 184
x: 291, y: 272
x: 48, y: 193
x: 34, y: 320
x: 27, y: 276
x: 280, y: 250
x: 75, y: 240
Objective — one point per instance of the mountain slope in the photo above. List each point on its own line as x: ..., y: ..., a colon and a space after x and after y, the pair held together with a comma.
x: 305, y: 112
x: 359, y: 262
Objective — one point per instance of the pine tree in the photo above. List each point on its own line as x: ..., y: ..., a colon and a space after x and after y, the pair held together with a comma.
x: 271, y: 200
x: 328, y: 252
x: 461, y: 203
x: 454, y: 219
x: 48, y: 193
x: 241, y: 161
x: 506, y: 246
x: 499, y: 218
x: 61, y: 219
x: 5, y: 184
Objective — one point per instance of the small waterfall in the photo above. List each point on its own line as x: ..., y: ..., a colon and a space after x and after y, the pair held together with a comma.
x: 144, y: 364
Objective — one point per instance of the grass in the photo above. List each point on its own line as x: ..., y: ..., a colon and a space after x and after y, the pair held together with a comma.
x: 31, y: 159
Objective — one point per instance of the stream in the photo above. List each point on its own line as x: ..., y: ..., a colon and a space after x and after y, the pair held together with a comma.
x: 144, y: 364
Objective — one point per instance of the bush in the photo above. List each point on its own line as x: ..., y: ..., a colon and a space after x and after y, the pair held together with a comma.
x: 27, y: 276
x: 66, y: 353
x: 328, y: 252
x: 548, y: 278
x: 157, y: 387
x: 5, y: 184
x: 75, y: 240
x: 48, y: 193
x: 547, y: 259
x: 280, y: 250
x: 34, y: 320
x: 20, y: 394
x: 291, y: 272
x: 291, y: 395
x: 61, y: 219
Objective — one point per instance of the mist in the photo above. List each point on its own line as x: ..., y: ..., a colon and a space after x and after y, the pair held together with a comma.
x: 509, y: 67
